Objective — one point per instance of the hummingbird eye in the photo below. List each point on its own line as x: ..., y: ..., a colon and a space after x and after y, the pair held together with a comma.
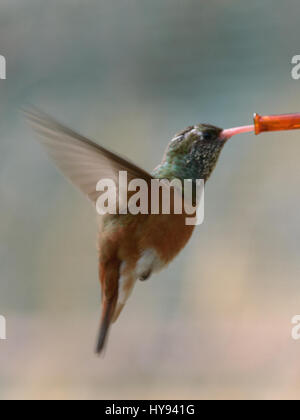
x: 208, y: 135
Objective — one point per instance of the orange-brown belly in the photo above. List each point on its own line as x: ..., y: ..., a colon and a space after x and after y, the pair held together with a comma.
x: 129, y: 236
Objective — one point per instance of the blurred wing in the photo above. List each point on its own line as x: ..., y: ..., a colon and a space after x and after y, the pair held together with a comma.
x: 82, y: 161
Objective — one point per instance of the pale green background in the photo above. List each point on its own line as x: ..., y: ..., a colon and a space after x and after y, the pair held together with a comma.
x: 130, y: 74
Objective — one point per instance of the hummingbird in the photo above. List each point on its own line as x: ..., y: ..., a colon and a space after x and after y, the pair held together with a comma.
x: 131, y: 246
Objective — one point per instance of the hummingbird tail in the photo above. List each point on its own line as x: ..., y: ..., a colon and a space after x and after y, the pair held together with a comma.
x: 107, y: 315
x: 109, y: 271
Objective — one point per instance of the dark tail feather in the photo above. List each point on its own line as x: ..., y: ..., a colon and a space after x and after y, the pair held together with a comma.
x: 109, y: 278
x: 108, y: 311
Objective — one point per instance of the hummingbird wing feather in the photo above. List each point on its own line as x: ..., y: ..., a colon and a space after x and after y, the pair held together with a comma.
x: 81, y: 160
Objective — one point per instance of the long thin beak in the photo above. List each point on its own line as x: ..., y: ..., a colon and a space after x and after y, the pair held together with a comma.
x: 229, y: 132
x: 265, y: 123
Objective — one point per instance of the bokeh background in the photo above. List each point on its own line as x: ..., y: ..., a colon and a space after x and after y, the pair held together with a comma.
x: 130, y: 74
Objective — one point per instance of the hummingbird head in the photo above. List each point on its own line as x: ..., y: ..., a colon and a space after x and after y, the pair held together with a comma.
x: 193, y: 153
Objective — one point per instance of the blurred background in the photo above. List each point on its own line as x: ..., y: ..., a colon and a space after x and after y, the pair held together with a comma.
x: 130, y: 74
